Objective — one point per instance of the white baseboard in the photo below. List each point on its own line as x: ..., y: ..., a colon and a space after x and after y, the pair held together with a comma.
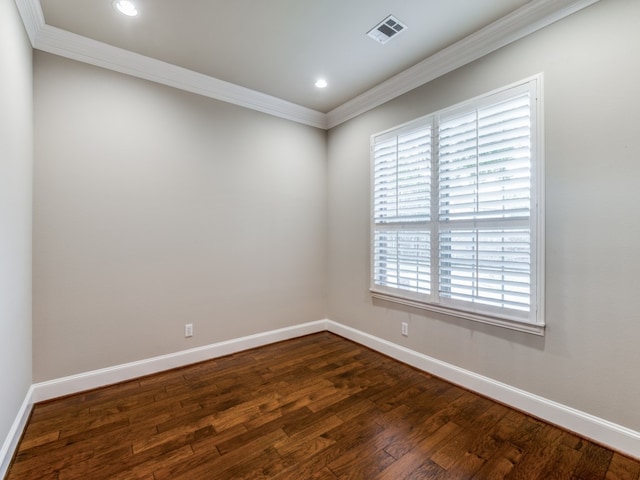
x: 120, y: 373
x: 108, y: 376
x: 616, y: 437
x: 13, y: 437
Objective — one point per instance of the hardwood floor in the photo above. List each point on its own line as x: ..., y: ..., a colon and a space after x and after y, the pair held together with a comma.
x: 318, y: 407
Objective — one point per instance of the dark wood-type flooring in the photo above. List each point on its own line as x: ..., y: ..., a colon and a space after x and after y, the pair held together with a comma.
x: 317, y: 407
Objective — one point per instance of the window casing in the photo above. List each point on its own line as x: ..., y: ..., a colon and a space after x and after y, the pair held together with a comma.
x: 457, y: 210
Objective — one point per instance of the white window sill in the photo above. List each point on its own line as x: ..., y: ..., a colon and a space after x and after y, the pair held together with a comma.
x: 535, y: 329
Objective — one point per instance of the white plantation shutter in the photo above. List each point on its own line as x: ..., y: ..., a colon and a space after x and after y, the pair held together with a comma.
x: 455, y: 210
x: 488, y: 266
x: 403, y: 259
x: 484, y: 206
x: 485, y: 162
x: 402, y: 178
x: 402, y: 199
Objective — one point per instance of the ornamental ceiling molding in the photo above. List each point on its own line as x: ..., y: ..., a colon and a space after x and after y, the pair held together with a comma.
x: 528, y: 19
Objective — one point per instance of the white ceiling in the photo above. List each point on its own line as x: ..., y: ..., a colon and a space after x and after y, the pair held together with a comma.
x: 257, y: 53
x: 280, y: 47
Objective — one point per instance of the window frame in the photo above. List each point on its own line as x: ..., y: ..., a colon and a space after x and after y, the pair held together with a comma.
x: 534, y: 322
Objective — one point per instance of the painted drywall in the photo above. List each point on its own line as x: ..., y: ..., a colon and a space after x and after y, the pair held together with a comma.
x: 154, y: 208
x: 16, y: 166
x: 589, y: 358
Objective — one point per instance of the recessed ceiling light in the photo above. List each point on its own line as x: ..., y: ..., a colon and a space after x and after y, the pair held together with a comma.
x: 126, y: 7
x: 321, y: 83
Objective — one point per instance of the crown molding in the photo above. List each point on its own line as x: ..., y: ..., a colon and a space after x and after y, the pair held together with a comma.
x: 32, y: 17
x: 533, y: 16
x: 77, y: 47
x: 70, y: 45
x: 528, y: 19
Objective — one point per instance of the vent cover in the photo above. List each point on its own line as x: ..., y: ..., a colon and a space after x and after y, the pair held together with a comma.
x: 386, y: 29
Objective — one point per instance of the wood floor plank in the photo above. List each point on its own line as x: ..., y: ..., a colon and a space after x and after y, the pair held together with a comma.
x: 500, y: 464
x: 537, y: 451
x: 316, y: 407
x: 411, y: 461
x: 623, y: 468
x: 594, y: 463
x: 562, y: 465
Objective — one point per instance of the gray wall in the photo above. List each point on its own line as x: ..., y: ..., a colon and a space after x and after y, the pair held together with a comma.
x: 590, y: 356
x: 16, y: 164
x: 154, y: 208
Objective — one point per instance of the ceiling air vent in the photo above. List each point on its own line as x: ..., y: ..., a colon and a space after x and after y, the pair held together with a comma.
x: 386, y: 29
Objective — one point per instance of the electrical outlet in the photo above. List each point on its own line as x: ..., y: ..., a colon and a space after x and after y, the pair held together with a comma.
x: 405, y: 329
x: 188, y: 330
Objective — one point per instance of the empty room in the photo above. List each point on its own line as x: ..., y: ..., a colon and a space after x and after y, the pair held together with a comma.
x: 361, y: 239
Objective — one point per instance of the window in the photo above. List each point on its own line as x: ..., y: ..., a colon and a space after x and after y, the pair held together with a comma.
x: 457, y: 210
